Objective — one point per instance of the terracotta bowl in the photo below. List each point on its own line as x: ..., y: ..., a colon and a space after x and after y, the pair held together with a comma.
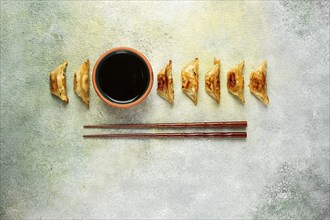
x: 101, y: 88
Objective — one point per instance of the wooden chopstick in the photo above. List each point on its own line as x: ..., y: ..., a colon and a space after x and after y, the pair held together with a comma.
x: 171, y: 135
x: 226, y: 124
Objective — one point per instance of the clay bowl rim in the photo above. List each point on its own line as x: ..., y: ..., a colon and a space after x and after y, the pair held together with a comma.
x: 147, y: 91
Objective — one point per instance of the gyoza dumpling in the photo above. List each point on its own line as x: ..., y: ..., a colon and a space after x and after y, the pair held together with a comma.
x: 235, y: 81
x: 258, y: 84
x: 81, y: 82
x: 57, y: 82
x: 165, y: 83
x: 189, y: 76
x: 212, y: 81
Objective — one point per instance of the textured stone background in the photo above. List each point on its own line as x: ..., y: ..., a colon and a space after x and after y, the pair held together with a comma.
x: 280, y: 171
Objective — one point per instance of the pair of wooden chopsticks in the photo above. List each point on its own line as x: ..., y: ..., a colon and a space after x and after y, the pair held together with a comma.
x: 228, y: 124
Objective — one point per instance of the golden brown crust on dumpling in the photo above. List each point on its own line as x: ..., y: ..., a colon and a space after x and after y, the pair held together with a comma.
x: 258, y: 84
x: 189, y: 75
x: 57, y: 82
x: 235, y: 81
x: 81, y: 82
x: 165, y: 83
x: 212, y: 81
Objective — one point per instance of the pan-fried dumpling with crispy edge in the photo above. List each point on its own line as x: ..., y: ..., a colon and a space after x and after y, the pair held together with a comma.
x: 165, y: 83
x: 258, y: 85
x: 57, y: 82
x: 189, y: 75
x: 81, y: 82
x: 212, y: 81
x: 235, y: 81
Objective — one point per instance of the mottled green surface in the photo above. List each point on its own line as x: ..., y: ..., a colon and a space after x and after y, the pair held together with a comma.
x: 280, y: 171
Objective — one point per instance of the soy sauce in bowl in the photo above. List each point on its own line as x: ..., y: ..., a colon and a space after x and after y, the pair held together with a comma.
x: 122, y: 77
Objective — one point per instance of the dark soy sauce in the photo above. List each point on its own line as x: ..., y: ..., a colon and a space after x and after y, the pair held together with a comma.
x: 123, y: 77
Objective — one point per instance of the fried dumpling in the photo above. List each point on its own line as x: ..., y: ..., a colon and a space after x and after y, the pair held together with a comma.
x: 165, y: 83
x: 57, y: 82
x: 212, y: 81
x: 189, y: 75
x: 81, y: 82
x: 235, y: 81
x: 258, y: 85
